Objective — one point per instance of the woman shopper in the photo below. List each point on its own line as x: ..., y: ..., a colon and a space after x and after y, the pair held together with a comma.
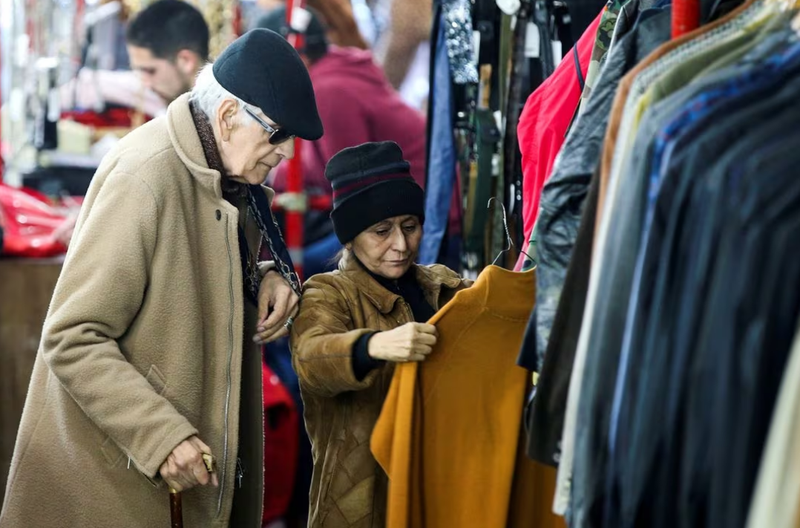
x: 354, y: 324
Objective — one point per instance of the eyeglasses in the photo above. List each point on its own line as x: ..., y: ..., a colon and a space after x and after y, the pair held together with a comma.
x: 276, y: 135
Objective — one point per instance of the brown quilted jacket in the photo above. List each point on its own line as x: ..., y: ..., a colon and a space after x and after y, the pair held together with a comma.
x: 349, y: 488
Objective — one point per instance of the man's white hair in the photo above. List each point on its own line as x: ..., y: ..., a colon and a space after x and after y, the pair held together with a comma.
x: 208, y: 94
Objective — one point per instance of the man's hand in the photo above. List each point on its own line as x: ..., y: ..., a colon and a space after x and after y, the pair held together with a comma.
x: 184, y: 467
x: 277, y: 301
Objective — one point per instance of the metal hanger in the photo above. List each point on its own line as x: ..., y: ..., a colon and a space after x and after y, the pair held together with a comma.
x: 509, y: 241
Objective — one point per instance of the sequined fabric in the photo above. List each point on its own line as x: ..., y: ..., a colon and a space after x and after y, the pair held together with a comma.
x: 457, y: 20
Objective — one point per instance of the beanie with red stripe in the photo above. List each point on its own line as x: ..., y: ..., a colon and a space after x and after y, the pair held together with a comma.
x: 371, y: 183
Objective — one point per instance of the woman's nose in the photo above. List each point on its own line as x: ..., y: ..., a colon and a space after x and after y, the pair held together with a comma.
x: 400, y: 244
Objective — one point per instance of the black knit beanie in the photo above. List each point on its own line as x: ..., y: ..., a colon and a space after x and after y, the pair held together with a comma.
x: 371, y: 182
x: 315, y: 43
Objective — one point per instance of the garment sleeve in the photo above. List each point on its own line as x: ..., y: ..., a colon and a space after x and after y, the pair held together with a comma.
x: 96, y: 300
x: 363, y: 363
x: 323, y: 340
x: 265, y: 266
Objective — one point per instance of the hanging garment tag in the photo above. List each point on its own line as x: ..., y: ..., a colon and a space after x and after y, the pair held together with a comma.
x: 557, y: 53
x: 532, y: 41
x: 53, y: 105
x: 300, y: 19
x: 509, y: 7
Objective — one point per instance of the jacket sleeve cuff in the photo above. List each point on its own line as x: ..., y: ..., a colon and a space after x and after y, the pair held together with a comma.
x: 264, y: 267
x: 153, y: 461
x: 363, y: 363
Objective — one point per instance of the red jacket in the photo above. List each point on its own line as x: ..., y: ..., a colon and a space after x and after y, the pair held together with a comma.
x: 544, y: 122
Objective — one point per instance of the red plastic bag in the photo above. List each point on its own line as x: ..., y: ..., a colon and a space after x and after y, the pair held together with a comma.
x: 29, y: 224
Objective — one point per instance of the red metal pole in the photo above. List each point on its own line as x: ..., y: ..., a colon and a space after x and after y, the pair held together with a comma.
x: 237, y: 20
x: 294, y: 177
x: 2, y: 164
x: 685, y: 17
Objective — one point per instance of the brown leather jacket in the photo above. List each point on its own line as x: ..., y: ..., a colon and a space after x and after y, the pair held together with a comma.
x: 348, y: 487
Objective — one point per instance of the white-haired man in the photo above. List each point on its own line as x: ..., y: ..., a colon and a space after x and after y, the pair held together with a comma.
x: 149, y: 355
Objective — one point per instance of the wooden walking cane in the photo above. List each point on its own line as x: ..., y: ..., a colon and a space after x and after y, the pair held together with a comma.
x: 175, y: 508
x: 175, y: 499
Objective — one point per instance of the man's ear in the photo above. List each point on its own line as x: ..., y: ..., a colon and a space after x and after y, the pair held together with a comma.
x: 226, y: 117
x: 188, y: 63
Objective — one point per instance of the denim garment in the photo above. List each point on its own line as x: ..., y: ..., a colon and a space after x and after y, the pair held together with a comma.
x: 441, y: 165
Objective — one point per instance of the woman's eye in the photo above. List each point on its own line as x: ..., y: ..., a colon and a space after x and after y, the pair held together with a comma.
x: 382, y: 232
x: 410, y: 228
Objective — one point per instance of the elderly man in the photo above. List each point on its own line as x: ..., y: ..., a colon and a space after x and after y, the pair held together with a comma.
x: 148, y: 358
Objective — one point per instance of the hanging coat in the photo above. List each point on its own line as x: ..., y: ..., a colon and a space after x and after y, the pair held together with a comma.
x: 449, y: 432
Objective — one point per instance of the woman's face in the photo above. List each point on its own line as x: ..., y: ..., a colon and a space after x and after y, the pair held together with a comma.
x: 244, y: 146
x: 390, y: 247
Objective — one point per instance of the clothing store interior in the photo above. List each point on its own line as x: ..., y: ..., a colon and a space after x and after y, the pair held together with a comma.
x: 521, y: 263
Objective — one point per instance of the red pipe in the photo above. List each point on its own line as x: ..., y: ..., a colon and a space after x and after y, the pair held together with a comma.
x: 294, y: 177
x: 2, y: 164
x: 685, y: 17
x: 237, y: 20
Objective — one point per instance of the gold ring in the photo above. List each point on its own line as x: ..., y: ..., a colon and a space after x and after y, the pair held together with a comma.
x: 210, y: 463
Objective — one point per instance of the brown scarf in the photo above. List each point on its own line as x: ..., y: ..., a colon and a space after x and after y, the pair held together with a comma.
x: 213, y: 159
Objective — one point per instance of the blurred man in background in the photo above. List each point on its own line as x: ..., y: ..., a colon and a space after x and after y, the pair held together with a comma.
x: 167, y: 45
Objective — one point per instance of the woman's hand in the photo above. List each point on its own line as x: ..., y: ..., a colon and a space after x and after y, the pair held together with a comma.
x: 185, y: 468
x: 410, y: 342
x: 277, y: 302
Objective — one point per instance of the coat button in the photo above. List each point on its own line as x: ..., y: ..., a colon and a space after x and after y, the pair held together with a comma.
x: 219, y: 214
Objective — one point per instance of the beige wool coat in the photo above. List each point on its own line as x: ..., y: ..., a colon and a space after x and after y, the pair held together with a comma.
x: 143, y: 347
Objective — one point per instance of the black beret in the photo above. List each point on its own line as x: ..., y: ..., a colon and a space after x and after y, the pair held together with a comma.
x: 263, y: 70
